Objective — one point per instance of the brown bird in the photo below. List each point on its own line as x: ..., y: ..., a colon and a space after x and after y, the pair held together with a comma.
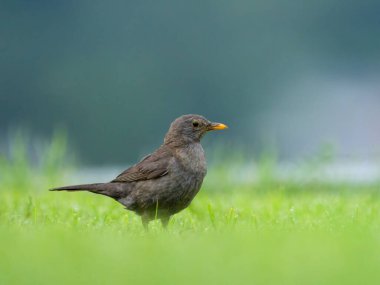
x: 166, y: 181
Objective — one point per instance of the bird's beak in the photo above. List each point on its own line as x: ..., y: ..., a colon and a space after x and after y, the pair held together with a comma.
x: 217, y: 126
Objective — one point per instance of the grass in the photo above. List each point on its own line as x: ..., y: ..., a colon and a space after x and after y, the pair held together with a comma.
x: 269, y: 232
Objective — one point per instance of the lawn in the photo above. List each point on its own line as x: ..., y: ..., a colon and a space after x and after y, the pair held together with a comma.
x: 268, y: 232
x: 247, y: 236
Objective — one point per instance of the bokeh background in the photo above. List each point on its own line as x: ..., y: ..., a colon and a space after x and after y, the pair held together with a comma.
x: 292, y: 196
x: 286, y: 74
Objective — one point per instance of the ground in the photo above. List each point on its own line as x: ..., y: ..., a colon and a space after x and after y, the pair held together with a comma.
x: 257, y: 234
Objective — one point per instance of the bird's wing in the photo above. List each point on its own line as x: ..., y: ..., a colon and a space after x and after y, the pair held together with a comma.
x: 152, y: 166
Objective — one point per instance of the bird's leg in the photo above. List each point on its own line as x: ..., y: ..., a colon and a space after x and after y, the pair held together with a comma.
x: 145, y: 221
x: 165, y: 221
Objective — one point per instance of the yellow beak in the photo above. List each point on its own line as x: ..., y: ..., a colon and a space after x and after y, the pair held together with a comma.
x: 217, y: 126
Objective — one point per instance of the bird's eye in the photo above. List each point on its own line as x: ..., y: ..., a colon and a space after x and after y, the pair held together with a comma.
x: 195, y: 124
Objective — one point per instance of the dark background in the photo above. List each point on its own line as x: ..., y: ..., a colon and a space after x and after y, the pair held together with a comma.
x: 114, y: 74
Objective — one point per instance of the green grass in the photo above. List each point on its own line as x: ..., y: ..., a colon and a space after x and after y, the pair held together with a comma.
x: 248, y: 237
x: 269, y: 232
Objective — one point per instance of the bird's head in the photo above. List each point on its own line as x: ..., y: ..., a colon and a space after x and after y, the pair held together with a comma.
x: 189, y: 129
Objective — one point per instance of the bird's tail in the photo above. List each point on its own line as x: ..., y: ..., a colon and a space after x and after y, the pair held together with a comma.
x: 113, y: 190
x: 81, y: 187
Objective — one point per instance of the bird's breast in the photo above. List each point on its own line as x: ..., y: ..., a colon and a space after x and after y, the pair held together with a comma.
x: 192, y: 160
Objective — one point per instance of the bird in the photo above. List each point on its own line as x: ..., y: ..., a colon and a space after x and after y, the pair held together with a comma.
x: 166, y: 181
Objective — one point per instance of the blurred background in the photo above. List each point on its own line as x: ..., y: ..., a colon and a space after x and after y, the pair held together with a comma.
x: 89, y: 87
x: 285, y: 75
